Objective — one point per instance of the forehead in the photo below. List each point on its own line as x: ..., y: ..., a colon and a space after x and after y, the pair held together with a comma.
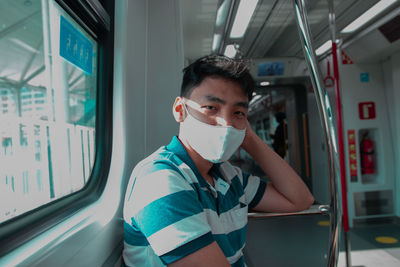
x: 219, y: 87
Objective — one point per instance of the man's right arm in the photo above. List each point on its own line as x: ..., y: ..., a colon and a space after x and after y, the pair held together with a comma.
x: 286, y: 192
x: 208, y: 256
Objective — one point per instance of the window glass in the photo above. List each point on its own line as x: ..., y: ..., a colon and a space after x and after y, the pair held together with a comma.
x: 48, y: 75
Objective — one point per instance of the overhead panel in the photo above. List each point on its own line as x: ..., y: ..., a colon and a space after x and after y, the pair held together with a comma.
x: 348, y: 11
x: 258, y: 21
x: 287, y: 43
x: 281, y: 16
x: 198, y: 24
x: 391, y: 29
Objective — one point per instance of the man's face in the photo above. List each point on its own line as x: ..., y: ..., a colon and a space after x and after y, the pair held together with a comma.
x: 218, y: 101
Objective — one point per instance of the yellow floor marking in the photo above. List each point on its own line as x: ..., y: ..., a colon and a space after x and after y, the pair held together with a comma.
x: 386, y: 240
x: 323, y: 223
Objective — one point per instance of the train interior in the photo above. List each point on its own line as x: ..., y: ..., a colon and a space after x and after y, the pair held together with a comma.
x: 86, y: 92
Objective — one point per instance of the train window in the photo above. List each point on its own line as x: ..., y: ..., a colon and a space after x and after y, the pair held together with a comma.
x: 48, y: 89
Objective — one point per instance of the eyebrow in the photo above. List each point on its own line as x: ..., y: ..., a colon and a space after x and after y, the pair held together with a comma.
x: 215, y: 99
x: 242, y: 104
x: 221, y: 101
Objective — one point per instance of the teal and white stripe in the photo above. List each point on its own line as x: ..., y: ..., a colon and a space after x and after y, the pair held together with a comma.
x: 171, y: 211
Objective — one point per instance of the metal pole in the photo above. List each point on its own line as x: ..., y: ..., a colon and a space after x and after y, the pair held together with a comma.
x: 325, y: 111
x: 332, y: 27
x: 47, y: 60
x: 48, y: 83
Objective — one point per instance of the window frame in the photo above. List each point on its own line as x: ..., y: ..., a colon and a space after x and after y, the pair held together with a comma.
x: 98, y: 20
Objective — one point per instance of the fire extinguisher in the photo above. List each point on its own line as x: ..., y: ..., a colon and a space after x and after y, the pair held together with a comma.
x: 367, y: 155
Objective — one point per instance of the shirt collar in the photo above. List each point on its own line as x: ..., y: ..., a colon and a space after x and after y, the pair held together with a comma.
x: 178, y: 149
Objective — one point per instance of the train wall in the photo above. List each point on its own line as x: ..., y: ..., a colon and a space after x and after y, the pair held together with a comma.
x: 369, y: 195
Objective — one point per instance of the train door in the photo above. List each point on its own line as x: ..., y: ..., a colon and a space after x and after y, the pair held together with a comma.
x: 279, y: 116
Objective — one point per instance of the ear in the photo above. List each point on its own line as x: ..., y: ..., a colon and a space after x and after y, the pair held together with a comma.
x: 178, y: 110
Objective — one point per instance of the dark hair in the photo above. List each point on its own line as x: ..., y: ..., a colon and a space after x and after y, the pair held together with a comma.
x: 280, y: 116
x: 235, y: 70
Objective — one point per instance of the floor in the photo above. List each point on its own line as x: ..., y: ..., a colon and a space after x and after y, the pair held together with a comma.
x: 372, y: 245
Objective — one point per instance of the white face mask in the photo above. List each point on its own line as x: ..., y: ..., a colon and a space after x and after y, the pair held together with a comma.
x: 213, y: 143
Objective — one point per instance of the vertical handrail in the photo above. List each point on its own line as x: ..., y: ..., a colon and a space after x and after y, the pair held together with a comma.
x: 325, y: 111
x: 345, y: 212
x: 306, y: 145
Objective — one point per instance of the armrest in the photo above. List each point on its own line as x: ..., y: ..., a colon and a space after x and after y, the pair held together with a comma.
x: 314, y: 209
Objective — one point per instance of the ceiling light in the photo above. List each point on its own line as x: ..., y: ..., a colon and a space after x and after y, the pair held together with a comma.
x: 254, y: 94
x: 367, y: 15
x: 254, y: 99
x: 216, y: 41
x: 222, y: 13
x: 243, y: 15
x: 323, y: 48
x: 265, y: 83
x: 230, y: 51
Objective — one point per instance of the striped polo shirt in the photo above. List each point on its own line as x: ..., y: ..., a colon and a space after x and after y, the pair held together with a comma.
x: 171, y: 211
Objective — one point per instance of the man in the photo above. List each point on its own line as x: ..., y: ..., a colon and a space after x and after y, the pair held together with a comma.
x: 279, y: 136
x: 185, y: 204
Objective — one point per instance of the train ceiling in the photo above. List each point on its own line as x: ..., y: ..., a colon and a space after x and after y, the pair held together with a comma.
x: 272, y: 31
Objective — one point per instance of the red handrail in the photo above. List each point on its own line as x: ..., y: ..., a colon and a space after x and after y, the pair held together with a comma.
x: 340, y: 137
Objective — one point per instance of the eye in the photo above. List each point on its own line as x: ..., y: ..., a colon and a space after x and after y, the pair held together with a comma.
x: 209, y: 107
x: 240, y: 114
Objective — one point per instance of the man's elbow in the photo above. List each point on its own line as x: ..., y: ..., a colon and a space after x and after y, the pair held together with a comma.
x: 309, y: 200
x: 305, y: 202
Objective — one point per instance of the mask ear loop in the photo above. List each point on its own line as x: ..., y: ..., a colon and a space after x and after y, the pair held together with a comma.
x: 185, y: 109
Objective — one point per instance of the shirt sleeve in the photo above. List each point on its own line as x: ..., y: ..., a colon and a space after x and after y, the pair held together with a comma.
x: 166, y: 209
x: 254, y: 188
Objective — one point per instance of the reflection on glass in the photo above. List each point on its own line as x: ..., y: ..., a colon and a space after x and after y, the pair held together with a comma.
x: 47, y: 107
